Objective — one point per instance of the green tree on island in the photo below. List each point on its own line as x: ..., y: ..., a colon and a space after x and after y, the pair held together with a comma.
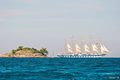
x: 13, y: 51
x: 43, y: 51
x: 20, y: 48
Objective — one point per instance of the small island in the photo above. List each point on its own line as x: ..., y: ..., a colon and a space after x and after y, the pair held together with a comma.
x: 26, y: 52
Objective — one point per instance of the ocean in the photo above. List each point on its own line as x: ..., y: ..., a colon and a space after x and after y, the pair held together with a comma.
x: 59, y: 68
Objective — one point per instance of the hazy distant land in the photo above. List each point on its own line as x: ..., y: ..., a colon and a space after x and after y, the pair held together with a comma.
x: 26, y: 52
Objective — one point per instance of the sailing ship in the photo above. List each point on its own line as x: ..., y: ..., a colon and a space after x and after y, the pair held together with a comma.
x: 84, y: 50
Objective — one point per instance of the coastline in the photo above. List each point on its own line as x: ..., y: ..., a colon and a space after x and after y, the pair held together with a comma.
x: 25, y: 52
x: 21, y: 56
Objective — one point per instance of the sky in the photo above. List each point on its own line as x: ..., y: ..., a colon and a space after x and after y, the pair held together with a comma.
x: 48, y: 23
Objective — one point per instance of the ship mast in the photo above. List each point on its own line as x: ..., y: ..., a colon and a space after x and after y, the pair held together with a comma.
x: 104, y: 49
x: 77, y: 49
x: 95, y: 48
x: 69, y: 48
x: 87, y: 49
x: 91, y: 48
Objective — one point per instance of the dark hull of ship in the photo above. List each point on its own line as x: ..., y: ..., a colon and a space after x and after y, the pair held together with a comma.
x: 82, y: 56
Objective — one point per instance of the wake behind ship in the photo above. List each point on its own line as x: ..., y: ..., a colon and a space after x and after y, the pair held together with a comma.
x: 84, y: 50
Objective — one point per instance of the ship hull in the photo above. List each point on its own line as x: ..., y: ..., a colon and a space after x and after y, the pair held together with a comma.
x: 82, y: 56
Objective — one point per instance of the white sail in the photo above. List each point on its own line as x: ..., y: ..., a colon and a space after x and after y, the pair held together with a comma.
x: 69, y: 48
x: 95, y: 48
x: 86, y: 48
x: 104, y: 49
x: 78, y: 49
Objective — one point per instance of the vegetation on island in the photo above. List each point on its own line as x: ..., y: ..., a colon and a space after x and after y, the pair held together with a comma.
x: 42, y: 51
x: 26, y: 52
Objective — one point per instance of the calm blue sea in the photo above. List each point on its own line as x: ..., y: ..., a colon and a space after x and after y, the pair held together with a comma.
x: 59, y: 69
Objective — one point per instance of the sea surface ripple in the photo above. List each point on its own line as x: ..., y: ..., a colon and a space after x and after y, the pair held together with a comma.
x: 59, y: 68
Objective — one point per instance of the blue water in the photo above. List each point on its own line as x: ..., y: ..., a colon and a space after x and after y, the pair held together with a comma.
x: 59, y: 69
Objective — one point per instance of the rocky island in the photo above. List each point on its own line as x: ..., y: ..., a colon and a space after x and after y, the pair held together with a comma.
x: 26, y: 52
